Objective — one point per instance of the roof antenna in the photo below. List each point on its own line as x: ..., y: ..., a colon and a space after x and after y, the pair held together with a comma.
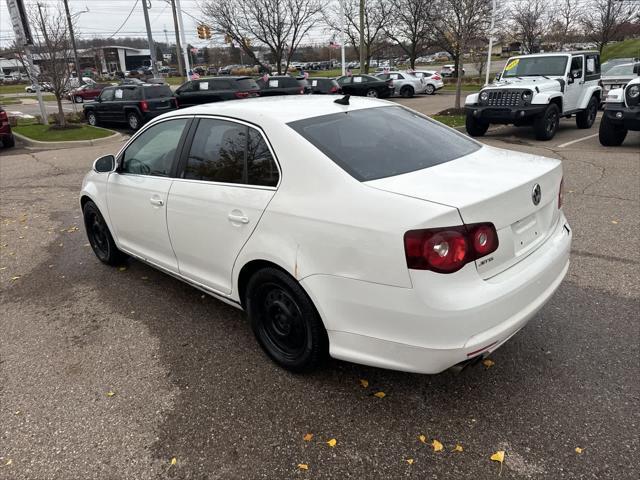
x: 343, y: 101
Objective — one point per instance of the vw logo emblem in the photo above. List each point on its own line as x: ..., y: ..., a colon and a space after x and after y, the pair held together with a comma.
x: 536, y: 194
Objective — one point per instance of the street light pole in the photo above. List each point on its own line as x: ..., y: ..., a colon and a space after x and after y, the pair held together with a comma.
x: 181, y: 70
x: 152, y: 47
x: 362, y: 59
x: 493, y: 16
x: 185, y: 46
x: 342, y: 36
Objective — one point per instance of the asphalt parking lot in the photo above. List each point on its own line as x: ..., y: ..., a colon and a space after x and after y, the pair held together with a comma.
x: 112, y: 373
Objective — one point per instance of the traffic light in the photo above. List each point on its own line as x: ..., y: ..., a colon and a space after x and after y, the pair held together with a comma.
x: 204, y: 32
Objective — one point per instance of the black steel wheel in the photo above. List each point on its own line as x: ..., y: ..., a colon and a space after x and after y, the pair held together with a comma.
x: 285, y: 321
x: 610, y: 134
x: 99, y: 236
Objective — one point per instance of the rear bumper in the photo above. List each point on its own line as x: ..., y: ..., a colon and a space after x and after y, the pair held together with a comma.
x: 619, y: 114
x: 444, y: 319
x: 505, y: 114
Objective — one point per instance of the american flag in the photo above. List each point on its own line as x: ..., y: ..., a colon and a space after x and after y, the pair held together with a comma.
x: 194, y: 75
x: 333, y: 44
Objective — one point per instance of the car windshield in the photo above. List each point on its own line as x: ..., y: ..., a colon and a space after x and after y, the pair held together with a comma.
x: 535, y: 66
x: 621, y: 70
x: 382, y: 142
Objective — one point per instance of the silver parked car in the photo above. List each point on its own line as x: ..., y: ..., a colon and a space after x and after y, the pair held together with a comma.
x: 618, y: 76
x: 432, y: 79
x: 405, y: 83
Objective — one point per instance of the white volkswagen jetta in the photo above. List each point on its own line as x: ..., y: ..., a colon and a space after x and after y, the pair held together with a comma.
x: 363, y: 230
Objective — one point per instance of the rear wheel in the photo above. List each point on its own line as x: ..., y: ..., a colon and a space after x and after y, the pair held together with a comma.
x: 372, y: 92
x: 585, y: 118
x: 285, y: 321
x: 475, y: 126
x: 430, y: 90
x: 610, y: 134
x: 100, y: 237
x: 546, y: 124
x: 406, y: 91
x: 79, y: 99
x: 92, y: 118
x: 8, y: 141
x: 133, y: 120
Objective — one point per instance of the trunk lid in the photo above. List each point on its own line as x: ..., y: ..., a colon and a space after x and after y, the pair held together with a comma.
x: 492, y: 185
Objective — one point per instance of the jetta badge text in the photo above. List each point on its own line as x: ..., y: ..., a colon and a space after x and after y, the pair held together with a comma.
x: 536, y: 194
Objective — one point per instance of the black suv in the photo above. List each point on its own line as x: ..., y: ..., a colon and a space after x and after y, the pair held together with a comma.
x: 280, y: 85
x: 323, y: 86
x: 130, y: 104
x: 207, y: 90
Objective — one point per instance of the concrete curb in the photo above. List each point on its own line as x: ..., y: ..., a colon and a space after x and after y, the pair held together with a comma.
x: 36, y: 144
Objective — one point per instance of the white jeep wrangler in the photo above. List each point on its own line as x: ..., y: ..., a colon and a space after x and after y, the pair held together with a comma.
x: 621, y: 112
x: 538, y: 90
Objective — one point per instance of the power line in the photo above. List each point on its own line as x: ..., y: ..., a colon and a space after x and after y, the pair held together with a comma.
x: 126, y: 19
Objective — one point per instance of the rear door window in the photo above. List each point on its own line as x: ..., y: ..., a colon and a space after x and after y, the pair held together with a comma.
x: 107, y: 94
x: 261, y: 168
x: 382, y: 142
x: 246, y: 84
x: 158, y: 91
x: 131, y: 94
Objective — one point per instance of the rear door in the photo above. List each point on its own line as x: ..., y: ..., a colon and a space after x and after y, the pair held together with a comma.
x: 226, y: 180
x: 137, y: 192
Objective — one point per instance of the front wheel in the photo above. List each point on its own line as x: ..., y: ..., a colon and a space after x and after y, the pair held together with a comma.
x: 475, y: 127
x: 99, y: 236
x: 285, y: 321
x: 585, y: 118
x: 610, y: 134
x: 546, y: 124
x: 406, y: 92
x: 372, y: 92
x: 92, y: 118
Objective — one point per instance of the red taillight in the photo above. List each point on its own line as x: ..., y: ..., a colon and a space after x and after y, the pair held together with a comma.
x: 437, y: 77
x: 144, y: 106
x: 242, y: 94
x: 448, y: 249
x: 333, y: 89
x: 302, y: 91
x: 561, y: 194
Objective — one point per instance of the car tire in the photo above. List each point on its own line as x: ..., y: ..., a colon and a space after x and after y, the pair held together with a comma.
x: 610, y: 134
x: 475, y: 127
x: 285, y: 321
x: 133, y: 120
x: 586, y: 117
x: 430, y: 89
x: 372, y: 93
x: 100, y: 237
x: 8, y: 141
x: 78, y: 99
x: 546, y: 124
x: 406, y: 92
x: 92, y: 118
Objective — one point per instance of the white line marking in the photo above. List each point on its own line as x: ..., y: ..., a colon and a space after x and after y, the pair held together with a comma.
x: 576, y: 141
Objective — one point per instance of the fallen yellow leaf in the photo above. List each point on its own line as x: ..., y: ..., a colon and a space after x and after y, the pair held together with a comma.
x: 144, y: 278
x: 422, y: 438
x: 303, y: 466
x: 578, y: 450
x: 15, y: 278
x: 498, y: 456
x: 488, y: 363
x: 458, y: 448
x: 173, y: 461
x: 380, y: 394
x: 332, y: 443
x: 122, y: 269
x: 410, y: 461
x: 437, y: 446
x: 308, y: 437
x: 110, y: 393
x: 364, y: 383
x: 9, y: 462
x: 615, y: 222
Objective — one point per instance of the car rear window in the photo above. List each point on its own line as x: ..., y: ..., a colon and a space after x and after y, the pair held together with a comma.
x: 382, y: 142
x: 158, y: 91
x: 247, y: 84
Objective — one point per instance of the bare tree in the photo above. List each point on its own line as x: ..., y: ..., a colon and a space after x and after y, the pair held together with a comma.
x: 566, y: 17
x: 53, y: 45
x: 376, y: 20
x: 602, y: 19
x: 412, y: 28
x: 459, y: 22
x: 279, y: 25
x: 529, y: 19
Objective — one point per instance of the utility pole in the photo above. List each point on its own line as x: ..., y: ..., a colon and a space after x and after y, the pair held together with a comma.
x: 342, y: 36
x: 362, y: 55
x: 493, y: 15
x: 73, y: 43
x: 184, y: 41
x: 177, y: 31
x: 152, y: 47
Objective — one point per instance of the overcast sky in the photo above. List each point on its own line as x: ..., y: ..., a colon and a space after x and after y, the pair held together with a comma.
x: 106, y: 16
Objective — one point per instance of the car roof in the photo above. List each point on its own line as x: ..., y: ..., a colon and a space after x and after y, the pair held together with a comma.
x: 555, y: 54
x: 280, y: 109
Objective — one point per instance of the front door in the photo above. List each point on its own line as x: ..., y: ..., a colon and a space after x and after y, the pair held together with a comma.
x: 228, y: 178
x: 573, y: 91
x: 102, y: 107
x: 137, y: 193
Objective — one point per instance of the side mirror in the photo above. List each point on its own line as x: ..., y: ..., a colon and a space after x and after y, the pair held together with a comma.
x: 498, y: 76
x: 636, y: 69
x: 104, y: 164
x: 570, y: 78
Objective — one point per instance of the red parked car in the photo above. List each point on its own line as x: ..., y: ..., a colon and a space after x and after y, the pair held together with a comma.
x: 6, y: 137
x: 88, y: 91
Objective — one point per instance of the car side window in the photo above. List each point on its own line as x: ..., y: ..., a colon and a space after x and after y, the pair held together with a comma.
x: 593, y: 65
x: 131, y: 94
x: 576, y: 67
x: 261, y: 168
x: 106, y: 95
x: 345, y: 80
x: 154, y: 150
x: 217, y: 152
